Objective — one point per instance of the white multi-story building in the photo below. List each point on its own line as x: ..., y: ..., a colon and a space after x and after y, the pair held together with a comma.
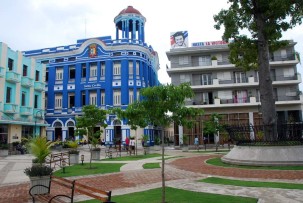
x: 222, y: 88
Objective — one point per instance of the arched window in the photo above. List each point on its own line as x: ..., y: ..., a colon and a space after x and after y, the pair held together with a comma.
x: 70, y: 124
x: 57, y: 125
x: 117, y: 122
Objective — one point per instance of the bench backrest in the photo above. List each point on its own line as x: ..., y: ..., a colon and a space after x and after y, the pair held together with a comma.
x: 93, y: 192
x: 70, y: 184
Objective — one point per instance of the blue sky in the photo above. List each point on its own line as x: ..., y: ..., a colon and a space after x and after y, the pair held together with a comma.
x: 34, y: 24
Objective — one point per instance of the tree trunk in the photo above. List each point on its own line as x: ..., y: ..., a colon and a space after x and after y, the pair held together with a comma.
x: 268, y: 106
x: 162, y: 169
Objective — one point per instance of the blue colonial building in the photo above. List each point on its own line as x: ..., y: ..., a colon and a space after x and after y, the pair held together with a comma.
x: 101, y: 71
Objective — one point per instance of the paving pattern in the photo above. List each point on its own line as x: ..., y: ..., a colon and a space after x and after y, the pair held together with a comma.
x: 180, y: 173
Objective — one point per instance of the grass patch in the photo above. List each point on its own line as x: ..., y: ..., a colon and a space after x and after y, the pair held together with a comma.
x: 217, y: 162
x: 223, y: 181
x: 177, y: 196
x: 151, y: 165
x: 97, y: 168
x: 132, y: 158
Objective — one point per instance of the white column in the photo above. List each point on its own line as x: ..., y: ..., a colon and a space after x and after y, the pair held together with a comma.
x: 180, y: 135
x: 251, y: 122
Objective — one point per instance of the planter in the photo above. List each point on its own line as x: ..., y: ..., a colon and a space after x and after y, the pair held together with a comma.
x: 157, y: 147
x: 146, y: 150
x: 96, y: 154
x: 185, y: 148
x: 58, y: 147
x: 40, y: 180
x: 73, y: 158
x: 3, y: 152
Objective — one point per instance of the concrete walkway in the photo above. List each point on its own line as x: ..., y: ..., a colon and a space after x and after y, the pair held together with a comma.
x: 182, y: 172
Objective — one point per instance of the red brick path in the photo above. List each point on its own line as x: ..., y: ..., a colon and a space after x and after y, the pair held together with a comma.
x: 198, y: 165
x: 19, y: 193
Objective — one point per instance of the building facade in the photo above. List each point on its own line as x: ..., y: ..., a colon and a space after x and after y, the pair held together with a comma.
x: 222, y: 88
x: 99, y: 71
x: 22, y: 96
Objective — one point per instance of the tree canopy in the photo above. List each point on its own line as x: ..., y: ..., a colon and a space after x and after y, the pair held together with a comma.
x: 91, y: 118
x: 162, y: 106
x: 265, y: 20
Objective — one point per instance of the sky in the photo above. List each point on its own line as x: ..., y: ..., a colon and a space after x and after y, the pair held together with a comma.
x: 35, y: 24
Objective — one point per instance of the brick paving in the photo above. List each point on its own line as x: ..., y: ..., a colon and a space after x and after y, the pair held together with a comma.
x: 195, y: 167
x: 198, y: 165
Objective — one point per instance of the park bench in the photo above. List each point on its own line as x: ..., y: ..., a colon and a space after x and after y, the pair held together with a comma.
x: 109, y: 151
x: 58, y: 159
x: 73, y: 187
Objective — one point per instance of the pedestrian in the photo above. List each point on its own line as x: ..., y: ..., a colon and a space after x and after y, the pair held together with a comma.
x: 205, y: 142
x: 196, y: 142
x: 127, y: 144
x: 132, y: 145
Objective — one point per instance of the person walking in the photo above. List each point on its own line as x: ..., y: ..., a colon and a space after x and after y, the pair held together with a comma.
x: 132, y: 146
x: 127, y: 144
x: 196, y: 142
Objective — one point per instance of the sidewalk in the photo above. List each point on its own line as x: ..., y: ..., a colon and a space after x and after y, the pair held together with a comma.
x: 180, y: 173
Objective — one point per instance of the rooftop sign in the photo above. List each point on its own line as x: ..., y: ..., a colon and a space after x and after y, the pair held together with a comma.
x: 211, y: 43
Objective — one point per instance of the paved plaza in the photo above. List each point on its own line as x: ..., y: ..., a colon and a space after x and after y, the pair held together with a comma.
x: 181, y: 172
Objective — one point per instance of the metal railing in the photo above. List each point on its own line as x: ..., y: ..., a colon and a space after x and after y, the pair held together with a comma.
x: 287, y: 134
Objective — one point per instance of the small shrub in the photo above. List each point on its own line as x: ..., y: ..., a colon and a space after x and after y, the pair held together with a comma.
x: 38, y: 170
x: 213, y: 58
x: 3, y: 146
x: 73, y: 151
x: 15, y: 144
x: 72, y: 144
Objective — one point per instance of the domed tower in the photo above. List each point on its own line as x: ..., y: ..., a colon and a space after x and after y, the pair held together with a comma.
x: 131, y: 24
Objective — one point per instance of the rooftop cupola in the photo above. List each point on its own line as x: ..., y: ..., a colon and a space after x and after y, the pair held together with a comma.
x: 130, y: 25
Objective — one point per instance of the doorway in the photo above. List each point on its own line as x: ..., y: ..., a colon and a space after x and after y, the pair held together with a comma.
x: 117, y: 132
x: 58, y: 131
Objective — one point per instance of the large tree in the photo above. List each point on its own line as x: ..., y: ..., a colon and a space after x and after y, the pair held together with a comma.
x: 265, y: 20
x: 162, y: 106
x: 91, y: 118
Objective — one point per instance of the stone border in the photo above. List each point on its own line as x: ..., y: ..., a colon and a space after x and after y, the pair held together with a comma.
x: 265, y: 156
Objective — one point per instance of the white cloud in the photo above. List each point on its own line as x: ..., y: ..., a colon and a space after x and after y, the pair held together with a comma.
x: 35, y: 24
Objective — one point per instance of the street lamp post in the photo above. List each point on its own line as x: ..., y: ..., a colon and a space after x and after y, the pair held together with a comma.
x: 36, y: 113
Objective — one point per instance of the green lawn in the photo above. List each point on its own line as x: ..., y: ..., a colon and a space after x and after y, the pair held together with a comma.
x: 151, y: 165
x: 217, y: 162
x: 243, y: 183
x: 177, y: 196
x: 132, y: 158
x: 81, y: 170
